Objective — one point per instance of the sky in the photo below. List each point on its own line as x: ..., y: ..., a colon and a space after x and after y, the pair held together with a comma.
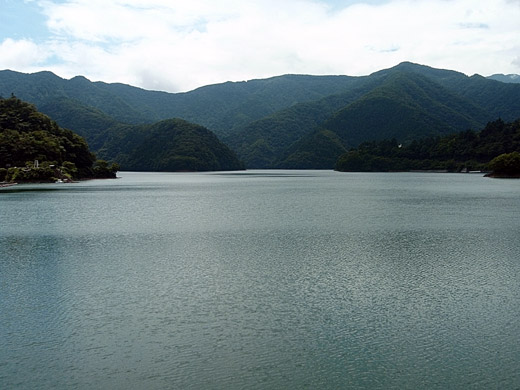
x: 179, y: 45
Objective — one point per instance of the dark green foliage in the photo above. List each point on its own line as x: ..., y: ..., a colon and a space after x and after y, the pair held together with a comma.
x: 103, y: 171
x: 406, y: 102
x: 316, y: 151
x: 45, y: 173
x: 405, y: 106
x: 506, y: 165
x: 224, y: 107
x: 86, y: 121
x: 500, y: 100
x: 278, y: 132
x: 44, y: 88
x: 27, y: 135
x: 266, y: 121
x: 177, y: 145
x: 221, y: 107
x: 466, y: 150
x: 260, y: 154
x: 35, y: 148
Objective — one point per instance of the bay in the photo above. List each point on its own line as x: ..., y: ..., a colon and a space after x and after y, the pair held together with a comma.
x: 261, y: 280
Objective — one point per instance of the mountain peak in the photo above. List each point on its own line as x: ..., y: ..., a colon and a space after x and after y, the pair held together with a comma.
x: 80, y: 79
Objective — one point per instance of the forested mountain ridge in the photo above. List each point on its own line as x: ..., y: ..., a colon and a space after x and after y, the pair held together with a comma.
x: 396, y: 103
x: 498, y: 98
x: 224, y: 107
x: 285, y: 121
x: 405, y: 106
x: 220, y: 107
x: 263, y: 143
x: 408, y: 101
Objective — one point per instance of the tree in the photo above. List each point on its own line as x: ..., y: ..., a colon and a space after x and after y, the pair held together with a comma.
x: 506, y: 165
x: 103, y: 171
x: 27, y: 135
x: 351, y: 161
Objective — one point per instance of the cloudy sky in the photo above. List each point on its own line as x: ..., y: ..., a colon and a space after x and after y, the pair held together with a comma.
x: 178, y: 45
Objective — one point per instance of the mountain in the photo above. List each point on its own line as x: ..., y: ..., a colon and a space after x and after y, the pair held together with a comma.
x: 405, y: 106
x: 87, y: 121
x: 500, y: 100
x: 219, y: 107
x: 223, y: 107
x: 505, y: 78
x: 285, y: 121
x: 318, y: 150
x: 405, y: 102
x: 168, y: 145
x: 264, y: 142
x: 27, y: 135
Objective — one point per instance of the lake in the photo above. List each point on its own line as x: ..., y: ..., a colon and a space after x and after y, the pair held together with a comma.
x: 261, y: 280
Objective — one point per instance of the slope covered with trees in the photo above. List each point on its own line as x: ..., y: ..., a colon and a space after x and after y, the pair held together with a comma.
x: 220, y: 107
x: 265, y: 142
x: 466, y: 150
x: 406, y: 102
x: 170, y: 145
x: 34, y: 148
x: 291, y: 121
x: 404, y: 106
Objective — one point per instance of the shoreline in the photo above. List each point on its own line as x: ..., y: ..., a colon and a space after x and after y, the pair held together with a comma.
x: 502, y: 176
x: 5, y: 185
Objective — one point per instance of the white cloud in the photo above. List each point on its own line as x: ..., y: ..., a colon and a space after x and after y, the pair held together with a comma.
x: 179, y: 45
x: 16, y: 54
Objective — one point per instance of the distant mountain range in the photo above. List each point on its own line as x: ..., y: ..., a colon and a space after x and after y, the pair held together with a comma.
x: 506, y: 78
x: 291, y: 121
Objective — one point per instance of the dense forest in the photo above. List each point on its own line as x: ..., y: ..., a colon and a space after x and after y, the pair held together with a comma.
x: 463, y: 151
x: 289, y: 121
x: 406, y: 102
x: 34, y: 148
x: 168, y: 145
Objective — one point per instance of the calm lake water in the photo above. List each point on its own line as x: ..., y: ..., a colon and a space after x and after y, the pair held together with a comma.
x: 261, y: 280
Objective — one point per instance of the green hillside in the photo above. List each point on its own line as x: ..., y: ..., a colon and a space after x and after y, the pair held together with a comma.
x: 401, y: 105
x: 499, y: 99
x: 263, y: 143
x: 285, y: 121
x: 34, y: 148
x: 220, y: 107
x: 87, y: 121
x: 224, y: 107
x: 405, y: 106
x: 406, y: 102
x: 466, y: 150
x: 27, y: 135
x: 169, y: 145
x: 318, y: 150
